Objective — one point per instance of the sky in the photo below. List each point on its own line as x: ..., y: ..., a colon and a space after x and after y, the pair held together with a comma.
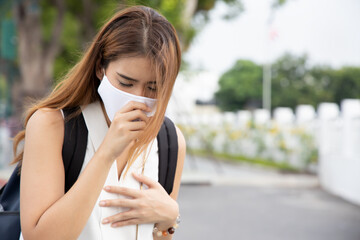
x: 326, y: 30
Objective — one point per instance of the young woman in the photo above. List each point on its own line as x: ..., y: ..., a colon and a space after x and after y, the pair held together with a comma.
x: 116, y: 196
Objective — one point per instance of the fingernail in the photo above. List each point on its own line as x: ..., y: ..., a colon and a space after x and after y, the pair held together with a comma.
x: 102, y: 203
x: 105, y: 221
x: 107, y: 188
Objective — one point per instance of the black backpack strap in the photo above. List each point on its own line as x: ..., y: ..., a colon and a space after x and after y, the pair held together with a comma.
x: 74, y: 146
x: 10, y: 207
x: 168, y: 154
x: 10, y: 192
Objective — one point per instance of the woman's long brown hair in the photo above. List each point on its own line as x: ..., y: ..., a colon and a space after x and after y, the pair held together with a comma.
x: 136, y: 31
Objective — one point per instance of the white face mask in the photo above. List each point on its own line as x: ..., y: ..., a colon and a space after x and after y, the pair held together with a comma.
x: 114, y: 99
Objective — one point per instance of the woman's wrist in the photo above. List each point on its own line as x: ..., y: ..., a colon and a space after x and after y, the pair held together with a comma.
x: 164, y: 225
x: 105, y: 156
x: 164, y: 229
x: 171, y: 218
x: 171, y: 214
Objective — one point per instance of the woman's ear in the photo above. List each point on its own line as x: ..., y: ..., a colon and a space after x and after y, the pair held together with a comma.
x: 99, y: 70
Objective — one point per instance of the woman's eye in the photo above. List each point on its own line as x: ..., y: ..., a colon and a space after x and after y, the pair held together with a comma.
x: 125, y: 85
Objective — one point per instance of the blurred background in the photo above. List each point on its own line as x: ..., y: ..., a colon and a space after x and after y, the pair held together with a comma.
x: 268, y: 99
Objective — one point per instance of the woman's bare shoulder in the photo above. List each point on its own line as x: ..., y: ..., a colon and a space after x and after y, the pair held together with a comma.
x: 181, y: 140
x: 46, y: 119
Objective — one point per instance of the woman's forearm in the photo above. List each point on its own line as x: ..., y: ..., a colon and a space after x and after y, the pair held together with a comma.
x: 67, y: 217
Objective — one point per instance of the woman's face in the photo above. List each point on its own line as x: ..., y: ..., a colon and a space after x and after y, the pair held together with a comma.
x: 133, y: 75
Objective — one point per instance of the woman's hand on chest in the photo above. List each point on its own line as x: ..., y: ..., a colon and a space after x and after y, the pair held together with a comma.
x: 152, y: 205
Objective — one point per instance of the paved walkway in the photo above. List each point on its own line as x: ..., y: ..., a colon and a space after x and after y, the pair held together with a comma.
x: 202, y: 171
x: 265, y: 213
x: 252, y: 203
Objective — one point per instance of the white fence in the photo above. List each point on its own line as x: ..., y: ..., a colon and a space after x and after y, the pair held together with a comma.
x: 282, y: 139
x: 331, y: 135
x: 339, y: 148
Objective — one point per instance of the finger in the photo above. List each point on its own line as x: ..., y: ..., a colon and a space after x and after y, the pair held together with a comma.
x: 133, y: 221
x: 135, y: 105
x: 146, y: 180
x: 132, y: 115
x: 137, y: 125
x: 120, y: 202
x: 134, y: 193
x: 136, y: 115
x: 122, y: 216
x: 135, y: 135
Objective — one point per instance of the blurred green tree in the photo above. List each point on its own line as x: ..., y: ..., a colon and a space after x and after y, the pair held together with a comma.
x: 291, y: 84
x: 53, y: 33
x: 82, y: 21
x: 240, y: 87
x: 294, y: 82
x: 346, y: 83
x: 335, y: 85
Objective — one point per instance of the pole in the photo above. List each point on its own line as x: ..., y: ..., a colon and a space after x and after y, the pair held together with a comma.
x: 266, y: 97
x: 267, y: 87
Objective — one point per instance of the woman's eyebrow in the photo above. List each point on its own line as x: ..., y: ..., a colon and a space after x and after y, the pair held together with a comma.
x: 127, y: 78
x: 132, y: 79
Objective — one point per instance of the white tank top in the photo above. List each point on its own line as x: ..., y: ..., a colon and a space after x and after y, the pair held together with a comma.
x: 94, y: 229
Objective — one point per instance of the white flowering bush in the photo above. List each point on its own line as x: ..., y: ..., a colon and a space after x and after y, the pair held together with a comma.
x: 293, y: 146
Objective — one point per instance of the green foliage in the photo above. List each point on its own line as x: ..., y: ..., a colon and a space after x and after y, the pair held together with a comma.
x: 293, y: 83
x: 206, y: 5
x: 289, y: 87
x: 239, y: 86
x: 76, y: 34
x: 345, y: 83
x: 323, y: 90
x: 235, y: 8
x: 71, y: 47
x: 3, y: 87
x: 278, y: 3
x: 268, y: 163
x: 48, y: 15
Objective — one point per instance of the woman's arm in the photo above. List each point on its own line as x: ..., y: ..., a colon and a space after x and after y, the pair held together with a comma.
x: 46, y: 213
x: 177, y: 180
